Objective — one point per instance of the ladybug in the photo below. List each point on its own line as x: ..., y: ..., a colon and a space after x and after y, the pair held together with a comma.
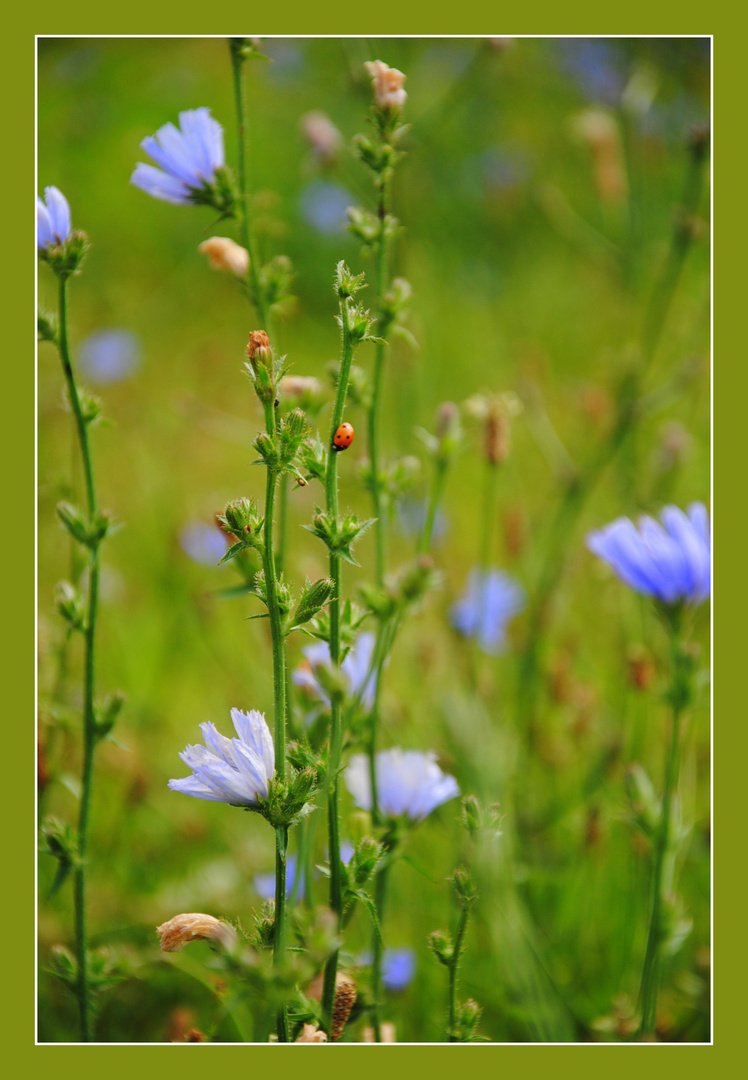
x: 343, y: 437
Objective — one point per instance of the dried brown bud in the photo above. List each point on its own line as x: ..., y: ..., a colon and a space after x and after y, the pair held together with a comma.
x: 345, y: 998
x: 194, y: 926
x: 258, y: 339
x: 640, y: 668
x: 311, y: 1034
x: 497, y: 434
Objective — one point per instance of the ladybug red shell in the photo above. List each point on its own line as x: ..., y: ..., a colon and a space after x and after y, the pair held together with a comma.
x: 343, y: 437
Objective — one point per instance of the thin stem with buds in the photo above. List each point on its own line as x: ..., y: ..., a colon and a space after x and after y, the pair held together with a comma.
x: 89, y: 723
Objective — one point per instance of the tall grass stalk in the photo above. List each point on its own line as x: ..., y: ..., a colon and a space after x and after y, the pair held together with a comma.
x: 629, y: 413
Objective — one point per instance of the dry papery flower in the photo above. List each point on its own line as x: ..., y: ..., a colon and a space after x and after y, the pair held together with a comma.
x: 194, y: 926
x: 224, y: 254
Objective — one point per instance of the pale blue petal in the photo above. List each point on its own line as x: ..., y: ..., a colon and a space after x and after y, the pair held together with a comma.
x: 44, y: 233
x: 160, y: 185
x: 59, y: 213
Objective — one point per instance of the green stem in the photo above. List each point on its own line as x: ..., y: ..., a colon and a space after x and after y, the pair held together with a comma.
x: 89, y: 737
x: 237, y: 64
x: 489, y: 515
x: 279, y: 708
x: 279, y: 931
x: 380, y: 526
x: 652, y: 960
x: 336, y: 733
x: 380, y: 893
x: 435, y: 496
x: 454, y: 964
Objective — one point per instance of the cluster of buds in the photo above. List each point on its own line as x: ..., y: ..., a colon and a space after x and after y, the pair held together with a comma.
x: 288, y: 800
x: 224, y: 254
x: 243, y: 523
x: 339, y: 533
x: 88, y: 532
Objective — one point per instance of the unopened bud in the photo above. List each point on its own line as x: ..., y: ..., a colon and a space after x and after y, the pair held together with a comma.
x: 641, y: 671
x: 258, y: 342
x: 194, y: 926
x: 388, y: 85
x: 323, y: 137
x: 497, y: 433
x: 224, y: 254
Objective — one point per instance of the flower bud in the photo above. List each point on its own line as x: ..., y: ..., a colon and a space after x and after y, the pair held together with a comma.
x: 497, y: 433
x: 388, y: 86
x: 259, y: 343
x: 241, y: 517
x: 441, y: 946
x: 463, y: 885
x: 224, y: 254
x: 323, y: 137
x: 194, y: 926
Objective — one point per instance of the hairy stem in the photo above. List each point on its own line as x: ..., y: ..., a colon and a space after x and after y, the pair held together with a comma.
x: 89, y: 736
x: 453, y: 966
x: 652, y: 960
x: 279, y: 708
x: 336, y: 733
x: 237, y: 64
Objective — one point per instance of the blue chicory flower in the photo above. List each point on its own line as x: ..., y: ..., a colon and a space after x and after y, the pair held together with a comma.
x: 108, y: 356
x: 669, y: 561
x: 398, y: 968
x: 490, y: 600
x: 409, y: 783
x: 265, y: 883
x: 234, y: 771
x: 52, y: 218
x: 203, y: 543
x: 189, y: 157
x: 355, y: 666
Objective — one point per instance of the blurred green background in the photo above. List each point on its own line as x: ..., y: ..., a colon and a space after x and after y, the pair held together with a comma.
x: 530, y: 274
